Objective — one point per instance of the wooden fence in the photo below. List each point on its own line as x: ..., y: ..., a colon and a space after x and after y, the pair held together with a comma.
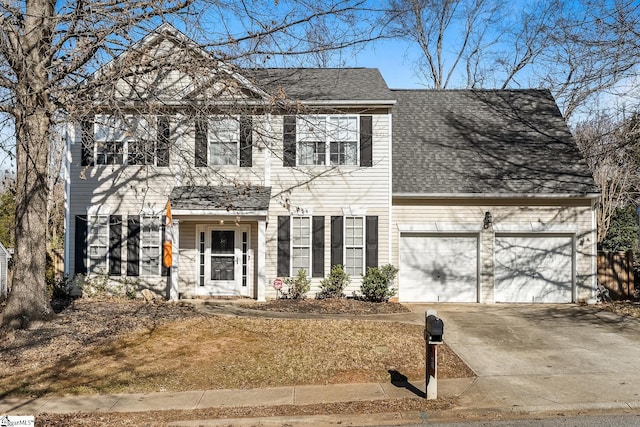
x: 615, y: 272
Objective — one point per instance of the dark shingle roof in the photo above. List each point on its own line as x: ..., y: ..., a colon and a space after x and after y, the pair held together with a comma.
x: 484, y: 142
x: 322, y: 84
x: 227, y: 198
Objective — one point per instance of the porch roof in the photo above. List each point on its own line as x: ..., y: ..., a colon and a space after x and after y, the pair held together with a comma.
x: 220, y: 199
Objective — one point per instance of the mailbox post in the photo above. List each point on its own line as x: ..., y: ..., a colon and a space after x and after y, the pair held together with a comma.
x: 433, y: 333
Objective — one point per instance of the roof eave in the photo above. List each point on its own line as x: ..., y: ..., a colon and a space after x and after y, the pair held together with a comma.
x: 220, y: 212
x: 496, y: 195
x: 352, y: 102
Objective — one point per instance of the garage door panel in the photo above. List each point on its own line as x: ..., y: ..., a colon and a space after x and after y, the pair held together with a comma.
x: 438, y: 268
x: 533, y: 268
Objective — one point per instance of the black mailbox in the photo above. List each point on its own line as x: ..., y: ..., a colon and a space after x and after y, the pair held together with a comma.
x: 434, y: 329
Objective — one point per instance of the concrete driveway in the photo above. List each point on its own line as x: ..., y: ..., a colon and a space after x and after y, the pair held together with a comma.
x: 545, y: 357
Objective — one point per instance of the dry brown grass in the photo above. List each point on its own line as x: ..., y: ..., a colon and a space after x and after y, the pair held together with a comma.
x: 623, y: 308
x: 159, y: 350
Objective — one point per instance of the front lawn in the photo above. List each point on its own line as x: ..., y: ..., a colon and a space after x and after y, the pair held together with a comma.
x: 132, y: 347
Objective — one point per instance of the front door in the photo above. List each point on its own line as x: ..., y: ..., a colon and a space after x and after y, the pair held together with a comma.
x: 224, y: 264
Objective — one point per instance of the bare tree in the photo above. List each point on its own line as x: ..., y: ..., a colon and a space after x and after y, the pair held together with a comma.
x: 49, y: 54
x: 610, y: 149
x: 579, y: 50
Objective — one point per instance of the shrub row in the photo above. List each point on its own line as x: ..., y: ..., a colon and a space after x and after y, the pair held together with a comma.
x: 376, y: 284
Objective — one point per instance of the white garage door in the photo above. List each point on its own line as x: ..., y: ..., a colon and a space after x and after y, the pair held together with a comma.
x: 534, y: 268
x: 438, y: 268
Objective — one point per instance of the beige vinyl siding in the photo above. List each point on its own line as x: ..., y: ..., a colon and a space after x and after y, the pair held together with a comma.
x: 520, y: 216
x: 133, y: 190
x: 321, y: 190
x: 330, y: 191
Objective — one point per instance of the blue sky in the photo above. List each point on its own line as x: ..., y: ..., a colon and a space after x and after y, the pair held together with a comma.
x: 395, y: 61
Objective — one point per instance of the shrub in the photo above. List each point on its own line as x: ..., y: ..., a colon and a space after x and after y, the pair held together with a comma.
x: 298, y: 286
x: 100, y: 286
x: 334, y: 285
x: 376, y: 284
x: 61, y: 288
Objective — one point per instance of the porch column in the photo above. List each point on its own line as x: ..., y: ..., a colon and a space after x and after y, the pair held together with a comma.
x: 262, y: 257
x: 173, y: 291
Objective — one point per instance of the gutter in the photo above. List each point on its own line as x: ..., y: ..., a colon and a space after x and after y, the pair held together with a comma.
x: 495, y: 195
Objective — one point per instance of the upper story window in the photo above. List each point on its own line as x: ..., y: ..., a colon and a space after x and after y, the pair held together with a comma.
x: 126, y: 140
x: 337, y: 134
x: 223, y: 140
x: 328, y: 140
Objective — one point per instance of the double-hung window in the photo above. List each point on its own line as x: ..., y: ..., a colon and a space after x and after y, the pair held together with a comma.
x: 318, y: 134
x: 224, y: 140
x: 132, y: 140
x: 301, y: 244
x: 354, y: 245
x: 111, y: 135
x: 343, y: 140
x: 141, y: 148
x: 150, y: 247
x: 98, y: 238
x: 312, y: 140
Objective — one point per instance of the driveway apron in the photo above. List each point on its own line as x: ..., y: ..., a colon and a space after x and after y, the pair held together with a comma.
x: 541, y: 356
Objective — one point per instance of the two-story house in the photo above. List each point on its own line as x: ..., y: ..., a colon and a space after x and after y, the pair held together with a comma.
x: 474, y: 195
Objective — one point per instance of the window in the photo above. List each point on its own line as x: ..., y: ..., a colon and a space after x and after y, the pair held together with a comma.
x: 343, y: 140
x: 224, y: 139
x: 312, y: 135
x: 98, y: 238
x: 301, y: 244
x: 132, y: 140
x: 316, y: 134
x: 354, y: 245
x: 150, y: 248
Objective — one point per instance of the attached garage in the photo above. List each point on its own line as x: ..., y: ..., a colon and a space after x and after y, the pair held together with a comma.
x: 534, y: 268
x: 438, y: 267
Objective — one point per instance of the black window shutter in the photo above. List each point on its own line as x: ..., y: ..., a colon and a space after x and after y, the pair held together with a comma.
x: 289, y: 141
x: 164, y: 271
x: 162, y: 144
x: 317, y: 247
x: 372, y: 241
x: 366, y: 141
x: 115, y: 245
x: 81, y: 245
x: 201, y: 142
x: 284, y: 224
x: 133, y: 245
x: 246, y: 142
x: 336, y: 240
x: 87, y: 142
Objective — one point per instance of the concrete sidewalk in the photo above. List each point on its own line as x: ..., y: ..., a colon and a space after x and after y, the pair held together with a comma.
x: 190, y: 400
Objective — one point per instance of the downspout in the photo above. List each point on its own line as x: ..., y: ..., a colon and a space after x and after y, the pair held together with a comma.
x: 389, y: 231
x: 66, y: 172
x: 594, y: 249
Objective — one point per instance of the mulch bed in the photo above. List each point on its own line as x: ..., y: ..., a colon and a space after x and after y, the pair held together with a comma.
x: 329, y: 306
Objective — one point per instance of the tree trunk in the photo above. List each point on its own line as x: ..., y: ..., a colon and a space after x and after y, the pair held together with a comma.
x: 29, y: 298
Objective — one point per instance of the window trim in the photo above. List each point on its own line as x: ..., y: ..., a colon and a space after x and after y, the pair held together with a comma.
x: 142, y: 269
x: 92, y: 220
x: 309, y: 246
x: 361, y: 245
x: 126, y: 143
x: 236, y: 140
x: 328, y: 139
